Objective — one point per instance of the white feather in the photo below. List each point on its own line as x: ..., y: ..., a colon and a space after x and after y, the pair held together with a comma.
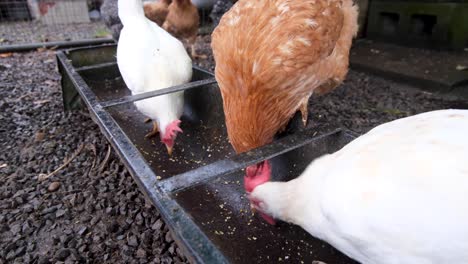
x: 150, y: 59
x: 398, y: 194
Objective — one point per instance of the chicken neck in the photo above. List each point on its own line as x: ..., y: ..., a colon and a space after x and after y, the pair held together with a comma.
x: 130, y: 9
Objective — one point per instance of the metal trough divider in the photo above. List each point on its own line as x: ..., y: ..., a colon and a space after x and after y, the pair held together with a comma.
x: 142, y: 96
x: 181, y: 194
x: 241, y: 161
x: 197, y: 246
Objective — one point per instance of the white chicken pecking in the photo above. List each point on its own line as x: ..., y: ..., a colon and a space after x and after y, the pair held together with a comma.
x: 150, y: 59
x: 398, y: 194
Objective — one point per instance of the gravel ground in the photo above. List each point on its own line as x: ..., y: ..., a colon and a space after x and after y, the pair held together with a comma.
x: 365, y: 101
x: 91, y: 210
x: 31, y: 32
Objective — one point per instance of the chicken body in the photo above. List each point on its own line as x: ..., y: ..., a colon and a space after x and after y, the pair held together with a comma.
x: 182, y: 22
x: 149, y: 59
x: 397, y: 194
x: 157, y: 11
x: 272, y: 55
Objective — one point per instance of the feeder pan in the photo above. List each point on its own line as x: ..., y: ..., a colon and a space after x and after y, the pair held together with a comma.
x: 199, y: 190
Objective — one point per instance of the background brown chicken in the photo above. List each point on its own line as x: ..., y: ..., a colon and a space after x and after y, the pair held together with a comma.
x: 182, y: 22
x: 272, y: 55
x: 157, y: 11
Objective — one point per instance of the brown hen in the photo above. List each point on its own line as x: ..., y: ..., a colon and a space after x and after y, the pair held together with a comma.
x: 182, y: 22
x: 157, y: 11
x: 271, y: 55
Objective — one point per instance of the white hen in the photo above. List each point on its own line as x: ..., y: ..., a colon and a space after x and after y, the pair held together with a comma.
x: 150, y: 59
x: 398, y: 194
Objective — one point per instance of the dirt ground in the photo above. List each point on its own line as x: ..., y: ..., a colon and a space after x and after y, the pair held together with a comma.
x: 89, y: 211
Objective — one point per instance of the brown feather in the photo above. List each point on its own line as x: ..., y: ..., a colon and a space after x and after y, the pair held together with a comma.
x: 182, y: 20
x: 157, y: 11
x: 271, y: 54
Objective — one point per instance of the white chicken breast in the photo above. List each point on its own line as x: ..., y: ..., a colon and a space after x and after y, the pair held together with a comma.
x: 398, y: 194
x: 150, y: 59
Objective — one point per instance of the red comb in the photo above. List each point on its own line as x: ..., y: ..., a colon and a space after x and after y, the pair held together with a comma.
x: 256, y: 175
x: 172, y: 129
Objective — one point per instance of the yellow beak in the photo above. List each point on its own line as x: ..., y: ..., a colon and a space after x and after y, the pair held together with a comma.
x: 169, y: 150
x: 252, y: 208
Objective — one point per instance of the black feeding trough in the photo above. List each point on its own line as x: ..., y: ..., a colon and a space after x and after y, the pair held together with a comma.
x: 199, y: 189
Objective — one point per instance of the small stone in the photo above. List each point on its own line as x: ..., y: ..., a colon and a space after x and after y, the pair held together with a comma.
x: 11, y: 255
x: 157, y: 225
x: 82, y: 249
x: 64, y: 239
x: 53, y: 186
x: 96, y: 238
x: 31, y: 246
x: 132, y: 241
x: 171, y: 249
x: 141, y: 253
x: 127, y: 251
x: 82, y: 230
x: 139, y: 219
x: 15, y: 229
x: 43, y: 260
x: 60, y: 213
x: 167, y: 260
x: 169, y: 237
x: 62, y: 254
x: 147, y: 237
x: 72, y: 243
x: 20, y: 251
x: 95, y: 219
x: 27, y: 258
x: 49, y: 210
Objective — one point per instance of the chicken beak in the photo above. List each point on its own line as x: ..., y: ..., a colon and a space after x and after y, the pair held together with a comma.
x: 252, y: 208
x: 169, y: 150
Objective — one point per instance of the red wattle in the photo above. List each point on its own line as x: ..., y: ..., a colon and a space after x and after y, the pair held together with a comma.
x: 268, y: 218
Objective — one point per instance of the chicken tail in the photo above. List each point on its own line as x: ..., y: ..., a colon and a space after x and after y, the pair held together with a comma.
x: 341, y: 51
x: 349, y: 30
x: 350, y: 25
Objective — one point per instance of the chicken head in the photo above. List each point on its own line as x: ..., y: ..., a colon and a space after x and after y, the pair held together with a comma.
x: 168, y: 138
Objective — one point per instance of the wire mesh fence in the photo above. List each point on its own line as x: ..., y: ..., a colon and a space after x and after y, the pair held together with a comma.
x: 31, y: 21
x: 50, y: 11
x: 14, y: 10
x: 28, y: 21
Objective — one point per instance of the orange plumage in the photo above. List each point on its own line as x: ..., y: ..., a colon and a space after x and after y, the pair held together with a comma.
x: 182, y: 22
x: 157, y: 11
x: 271, y: 55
